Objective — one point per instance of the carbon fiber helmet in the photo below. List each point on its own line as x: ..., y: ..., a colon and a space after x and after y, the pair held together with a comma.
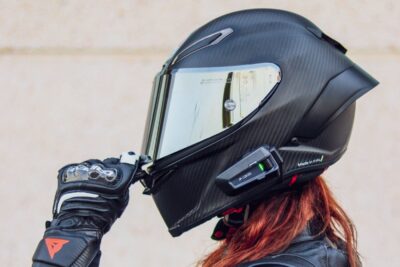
x: 251, y: 103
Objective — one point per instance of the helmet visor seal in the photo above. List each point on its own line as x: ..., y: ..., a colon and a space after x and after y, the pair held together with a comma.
x: 192, y: 104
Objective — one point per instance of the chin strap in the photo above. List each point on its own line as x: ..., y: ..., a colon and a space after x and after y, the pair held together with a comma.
x: 231, y: 220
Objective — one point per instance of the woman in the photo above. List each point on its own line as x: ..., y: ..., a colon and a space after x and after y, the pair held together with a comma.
x: 305, y: 222
x: 245, y: 116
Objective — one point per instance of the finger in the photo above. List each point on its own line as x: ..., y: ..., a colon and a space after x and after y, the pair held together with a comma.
x: 111, y: 161
x: 92, y: 161
x: 129, y: 158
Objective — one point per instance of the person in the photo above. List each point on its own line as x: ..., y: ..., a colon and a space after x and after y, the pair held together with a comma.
x: 244, y: 118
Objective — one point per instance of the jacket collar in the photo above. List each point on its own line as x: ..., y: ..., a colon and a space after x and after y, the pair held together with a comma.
x: 306, y: 235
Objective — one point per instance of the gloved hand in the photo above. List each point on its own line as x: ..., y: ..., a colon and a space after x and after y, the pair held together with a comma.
x: 89, y: 198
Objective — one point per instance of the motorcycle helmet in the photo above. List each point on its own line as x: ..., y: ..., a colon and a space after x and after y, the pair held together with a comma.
x: 250, y: 104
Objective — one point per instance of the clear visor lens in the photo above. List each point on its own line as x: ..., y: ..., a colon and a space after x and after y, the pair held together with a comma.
x: 202, y: 102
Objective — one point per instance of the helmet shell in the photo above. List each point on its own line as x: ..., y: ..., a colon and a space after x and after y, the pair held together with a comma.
x: 308, y: 117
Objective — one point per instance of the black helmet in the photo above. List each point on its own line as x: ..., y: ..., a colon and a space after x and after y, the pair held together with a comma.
x: 251, y: 103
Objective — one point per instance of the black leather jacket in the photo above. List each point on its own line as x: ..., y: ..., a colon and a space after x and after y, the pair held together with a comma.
x: 305, y: 251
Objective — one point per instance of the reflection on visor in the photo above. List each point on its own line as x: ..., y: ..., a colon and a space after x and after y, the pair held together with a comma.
x: 202, y: 102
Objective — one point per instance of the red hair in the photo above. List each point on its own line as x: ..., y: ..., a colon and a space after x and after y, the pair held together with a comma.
x: 277, y: 221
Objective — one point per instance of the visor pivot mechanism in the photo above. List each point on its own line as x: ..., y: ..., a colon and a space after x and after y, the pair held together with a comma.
x: 259, y: 165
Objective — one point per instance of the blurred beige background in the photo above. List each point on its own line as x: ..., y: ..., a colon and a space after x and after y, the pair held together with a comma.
x: 75, y: 78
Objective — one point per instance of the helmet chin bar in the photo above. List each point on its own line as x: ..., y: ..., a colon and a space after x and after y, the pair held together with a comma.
x: 260, y: 164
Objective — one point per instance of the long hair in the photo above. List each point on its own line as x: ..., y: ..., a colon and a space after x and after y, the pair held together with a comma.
x: 275, y: 222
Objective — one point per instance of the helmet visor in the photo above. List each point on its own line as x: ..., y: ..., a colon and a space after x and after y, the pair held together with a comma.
x: 192, y: 104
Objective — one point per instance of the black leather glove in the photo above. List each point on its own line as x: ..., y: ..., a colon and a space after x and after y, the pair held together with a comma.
x: 89, y: 198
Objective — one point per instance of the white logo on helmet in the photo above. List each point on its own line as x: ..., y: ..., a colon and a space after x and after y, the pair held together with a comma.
x: 309, y: 162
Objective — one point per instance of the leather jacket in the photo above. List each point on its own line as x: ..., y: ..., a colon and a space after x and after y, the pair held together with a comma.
x: 305, y: 251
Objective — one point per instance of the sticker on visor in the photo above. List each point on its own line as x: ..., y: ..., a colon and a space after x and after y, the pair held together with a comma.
x: 202, y: 102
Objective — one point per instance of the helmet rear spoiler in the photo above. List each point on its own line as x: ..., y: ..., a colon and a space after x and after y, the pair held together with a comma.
x: 339, y: 93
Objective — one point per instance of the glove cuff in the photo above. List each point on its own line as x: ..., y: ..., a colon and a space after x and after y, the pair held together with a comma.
x: 64, y: 249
